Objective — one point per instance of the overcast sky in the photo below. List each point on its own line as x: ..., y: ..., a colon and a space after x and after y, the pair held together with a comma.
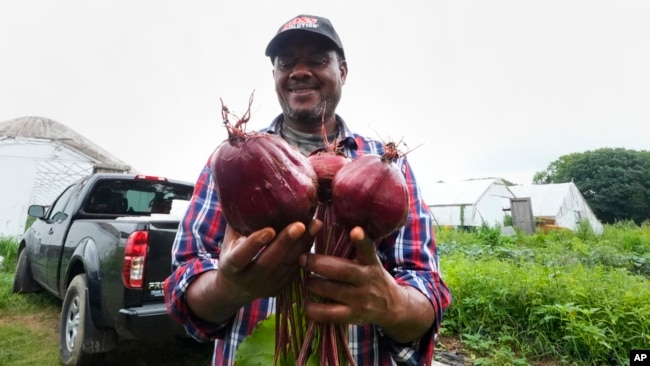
x: 482, y: 88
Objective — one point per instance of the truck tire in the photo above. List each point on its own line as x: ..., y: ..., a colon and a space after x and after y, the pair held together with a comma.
x: 23, y: 280
x: 73, y: 330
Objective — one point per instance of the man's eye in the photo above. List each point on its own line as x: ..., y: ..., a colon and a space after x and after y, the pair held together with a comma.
x: 284, y: 63
x: 320, y: 60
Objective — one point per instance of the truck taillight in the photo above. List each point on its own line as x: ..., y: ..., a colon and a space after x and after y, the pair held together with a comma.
x: 135, y: 255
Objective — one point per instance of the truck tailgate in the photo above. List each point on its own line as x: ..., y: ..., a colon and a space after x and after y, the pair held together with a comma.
x: 158, y: 263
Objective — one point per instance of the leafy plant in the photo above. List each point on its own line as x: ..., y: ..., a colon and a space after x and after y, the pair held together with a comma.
x: 29, y: 330
x: 573, y: 297
x: 8, y: 250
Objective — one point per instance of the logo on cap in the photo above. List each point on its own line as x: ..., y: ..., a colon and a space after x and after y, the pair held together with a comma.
x: 300, y: 22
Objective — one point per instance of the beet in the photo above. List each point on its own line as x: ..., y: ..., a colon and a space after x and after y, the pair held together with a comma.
x: 261, y: 180
x: 371, y: 192
x: 327, y: 163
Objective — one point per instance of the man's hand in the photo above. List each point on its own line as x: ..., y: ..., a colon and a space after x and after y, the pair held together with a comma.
x: 361, y: 291
x: 258, y: 265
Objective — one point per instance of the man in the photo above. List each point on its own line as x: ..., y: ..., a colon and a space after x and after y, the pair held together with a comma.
x: 217, y: 290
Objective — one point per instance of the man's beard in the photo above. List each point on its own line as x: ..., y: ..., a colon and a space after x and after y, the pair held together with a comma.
x: 313, y: 115
x: 308, y: 116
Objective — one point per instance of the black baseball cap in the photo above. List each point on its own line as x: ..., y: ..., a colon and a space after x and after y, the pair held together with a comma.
x: 305, y: 23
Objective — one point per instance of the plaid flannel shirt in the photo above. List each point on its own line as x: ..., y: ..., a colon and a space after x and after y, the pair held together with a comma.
x: 409, y: 255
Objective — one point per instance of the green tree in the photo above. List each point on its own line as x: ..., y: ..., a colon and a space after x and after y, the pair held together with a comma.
x: 558, y: 171
x: 615, y: 182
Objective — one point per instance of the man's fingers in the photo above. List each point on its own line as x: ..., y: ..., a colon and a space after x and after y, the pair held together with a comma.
x: 329, y: 312
x: 314, y: 227
x: 288, y: 245
x: 366, y: 253
x: 240, y: 250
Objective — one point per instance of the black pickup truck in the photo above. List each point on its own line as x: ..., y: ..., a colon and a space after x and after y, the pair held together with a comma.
x: 104, y: 248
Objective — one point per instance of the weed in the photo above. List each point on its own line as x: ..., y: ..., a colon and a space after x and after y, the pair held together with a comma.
x: 8, y: 250
x: 576, y: 298
x: 570, y: 297
x: 29, y: 332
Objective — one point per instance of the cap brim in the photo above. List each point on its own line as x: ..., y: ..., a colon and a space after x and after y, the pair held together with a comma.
x: 274, y: 46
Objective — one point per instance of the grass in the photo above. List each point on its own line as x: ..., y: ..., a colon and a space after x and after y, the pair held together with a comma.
x: 29, y: 330
x: 28, y: 323
x: 557, y: 298
x: 28, y: 339
x: 575, y: 298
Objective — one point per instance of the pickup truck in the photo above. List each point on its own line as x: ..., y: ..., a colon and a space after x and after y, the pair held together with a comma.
x: 104, y: 248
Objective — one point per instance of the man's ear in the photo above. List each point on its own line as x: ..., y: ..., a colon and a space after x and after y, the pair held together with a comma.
x: 343, y: 69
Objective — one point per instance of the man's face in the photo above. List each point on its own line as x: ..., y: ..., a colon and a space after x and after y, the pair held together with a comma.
x: 308, y: 79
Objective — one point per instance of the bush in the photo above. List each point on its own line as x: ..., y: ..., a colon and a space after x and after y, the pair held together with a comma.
x: 8, y: 250
x: 574, y: 297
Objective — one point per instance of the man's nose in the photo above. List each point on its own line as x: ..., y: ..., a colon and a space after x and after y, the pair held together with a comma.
x: 300, y: 70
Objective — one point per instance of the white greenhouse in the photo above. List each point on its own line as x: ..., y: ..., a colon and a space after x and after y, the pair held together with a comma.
x: 558, y: 205
x: 39, y: 157
x: 469, y: 203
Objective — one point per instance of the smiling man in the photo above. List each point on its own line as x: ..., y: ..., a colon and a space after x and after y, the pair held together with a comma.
x: 309, y: 72
x: 391, y: 293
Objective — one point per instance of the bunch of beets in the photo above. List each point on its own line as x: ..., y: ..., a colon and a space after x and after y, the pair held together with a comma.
x: 263, y: 181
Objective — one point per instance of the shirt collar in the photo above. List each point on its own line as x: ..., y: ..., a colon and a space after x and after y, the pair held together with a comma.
x: 347, y: 137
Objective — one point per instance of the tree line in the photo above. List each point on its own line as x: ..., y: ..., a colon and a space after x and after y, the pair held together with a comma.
x: 614, y: 181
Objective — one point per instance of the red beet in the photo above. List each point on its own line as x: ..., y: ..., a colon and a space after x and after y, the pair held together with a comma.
x: 261, y: 180
x: 371, y: 192
x: 327, y: 163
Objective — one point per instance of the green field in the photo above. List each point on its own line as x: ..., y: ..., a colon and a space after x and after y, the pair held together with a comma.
x: 572, y: 298
x: 557, y: 298
x: 29, y: 331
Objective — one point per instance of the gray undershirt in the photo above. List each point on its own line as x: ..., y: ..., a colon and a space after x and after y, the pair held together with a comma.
x: 305, y: 142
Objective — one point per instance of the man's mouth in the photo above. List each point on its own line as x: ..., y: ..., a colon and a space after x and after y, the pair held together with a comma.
x: 301, y: 90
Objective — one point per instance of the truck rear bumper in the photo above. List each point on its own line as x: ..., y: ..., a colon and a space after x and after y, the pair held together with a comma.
x: 148, y: 322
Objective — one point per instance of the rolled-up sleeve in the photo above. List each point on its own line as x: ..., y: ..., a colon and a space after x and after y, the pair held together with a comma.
x: 195, y: 251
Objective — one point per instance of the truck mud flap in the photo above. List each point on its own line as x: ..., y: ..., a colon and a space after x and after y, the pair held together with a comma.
x: 97, y: 340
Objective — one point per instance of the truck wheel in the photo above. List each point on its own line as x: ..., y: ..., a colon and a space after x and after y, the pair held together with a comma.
x: 23, y: 281
x: 72, y: 330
